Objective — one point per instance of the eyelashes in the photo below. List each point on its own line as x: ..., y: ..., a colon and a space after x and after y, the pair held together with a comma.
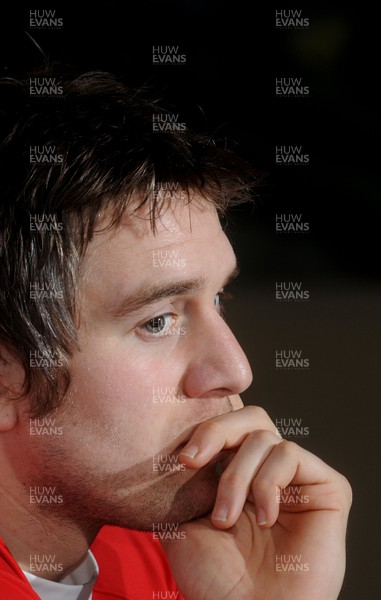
x: 166, y: 324
x: 160, y: 325
x: 223, y: 298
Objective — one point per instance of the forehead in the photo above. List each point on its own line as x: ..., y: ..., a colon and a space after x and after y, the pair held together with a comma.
x: 188, y: 233
x: 181, y: 224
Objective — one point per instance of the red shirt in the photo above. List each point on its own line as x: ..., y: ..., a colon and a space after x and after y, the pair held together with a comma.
x: 132, y: 566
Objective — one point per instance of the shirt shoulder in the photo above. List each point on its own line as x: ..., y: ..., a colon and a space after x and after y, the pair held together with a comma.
x: 132, y: 566
x: 13, y: 583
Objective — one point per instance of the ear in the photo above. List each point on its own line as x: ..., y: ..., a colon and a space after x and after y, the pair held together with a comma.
x: 11, y: 384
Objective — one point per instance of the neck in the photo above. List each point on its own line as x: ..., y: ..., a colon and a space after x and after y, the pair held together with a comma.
x: 38, y: 535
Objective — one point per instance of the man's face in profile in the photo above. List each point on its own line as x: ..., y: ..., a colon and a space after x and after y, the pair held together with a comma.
x: 156, y: 358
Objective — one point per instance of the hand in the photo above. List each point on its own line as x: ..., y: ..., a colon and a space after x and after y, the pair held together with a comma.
x: 277, y: 530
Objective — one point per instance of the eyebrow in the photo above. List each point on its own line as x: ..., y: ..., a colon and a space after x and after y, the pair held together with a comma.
x: 154, y: 293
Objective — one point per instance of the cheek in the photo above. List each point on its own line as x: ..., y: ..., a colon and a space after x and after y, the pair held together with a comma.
x: 127, y: 400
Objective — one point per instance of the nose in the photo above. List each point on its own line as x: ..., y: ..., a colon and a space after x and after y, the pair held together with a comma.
x: 218, y: 366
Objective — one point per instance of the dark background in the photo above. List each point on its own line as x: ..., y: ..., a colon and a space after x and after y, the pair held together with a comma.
x: 227, y: 87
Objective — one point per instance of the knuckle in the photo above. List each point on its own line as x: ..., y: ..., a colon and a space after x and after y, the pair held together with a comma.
x: 339, y: 493
x: 211, y: 427
x: 287, y: 448
x: 262, y: 436
x: 346, y: 489
x: 258, y: 413
x: 261, y: 486
x: 260, y: 416
x: 232, y: 480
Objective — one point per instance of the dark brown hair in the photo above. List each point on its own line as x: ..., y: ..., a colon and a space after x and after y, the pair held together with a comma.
x: 103, y: 151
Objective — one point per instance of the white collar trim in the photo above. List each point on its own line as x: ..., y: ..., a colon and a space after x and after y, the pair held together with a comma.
x: 76, y: 585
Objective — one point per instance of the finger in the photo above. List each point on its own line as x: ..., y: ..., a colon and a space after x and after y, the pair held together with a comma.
x: 235, y: 482
x: 266, y: 470
x: 236, y: 402
x: 290, y: 465
x: 225, y: 431
x: 275, y: 473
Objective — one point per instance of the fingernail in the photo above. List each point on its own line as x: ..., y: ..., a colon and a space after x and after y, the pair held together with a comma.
x: 220, y: 512
x: 189, y: 451
x: 261, y: 516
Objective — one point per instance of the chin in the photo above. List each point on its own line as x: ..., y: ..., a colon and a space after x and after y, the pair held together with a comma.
x: 175, y: 500
x: 193, y: 500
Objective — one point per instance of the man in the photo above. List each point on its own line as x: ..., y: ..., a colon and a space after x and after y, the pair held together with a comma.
x: 120, y: 417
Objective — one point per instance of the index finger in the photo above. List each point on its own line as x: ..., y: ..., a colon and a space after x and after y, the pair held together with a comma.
x: 223, y: 432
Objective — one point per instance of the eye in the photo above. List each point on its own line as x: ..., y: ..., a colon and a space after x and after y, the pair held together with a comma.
x: 219, y: 301
x: 159, y: 325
